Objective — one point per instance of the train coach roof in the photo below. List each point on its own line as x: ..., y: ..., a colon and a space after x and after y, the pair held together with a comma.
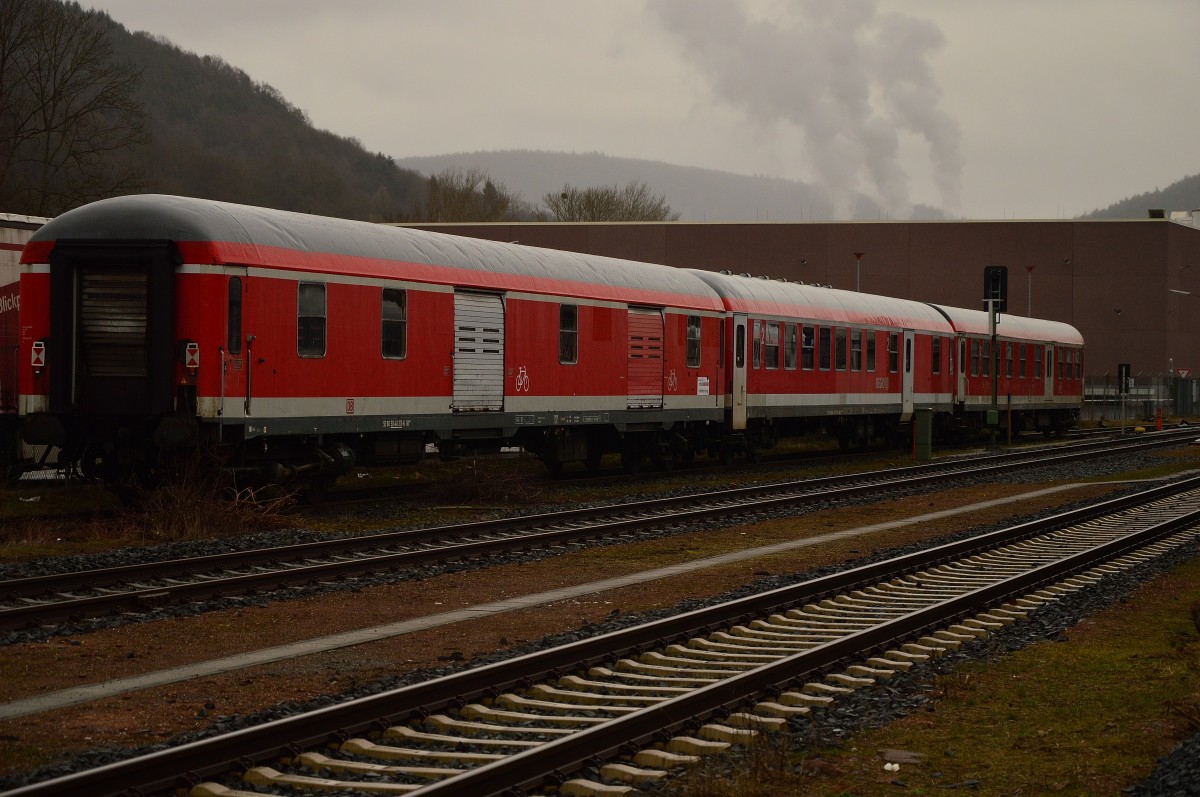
x: 795, y: 300
x: 210, y: 232
x: 975, y: 322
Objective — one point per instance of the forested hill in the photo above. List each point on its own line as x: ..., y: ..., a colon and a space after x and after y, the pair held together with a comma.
x: 1181, y: 195
x: 215, y: 133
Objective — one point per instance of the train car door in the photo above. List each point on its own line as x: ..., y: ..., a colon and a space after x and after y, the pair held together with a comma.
x: 960, y: 374
x: 645, y: 362
x: 478, y: 352
x: 739, y: 372
x: 236, y: 383
x: 906, y: 381
x: 1049, y: 376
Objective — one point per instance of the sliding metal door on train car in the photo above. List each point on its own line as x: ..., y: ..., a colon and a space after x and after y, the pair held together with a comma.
x: 645, y: 362
x: 478, y: 352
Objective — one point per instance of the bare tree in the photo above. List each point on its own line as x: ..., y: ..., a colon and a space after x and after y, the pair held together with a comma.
x: 67, y: 108
x: 634, y: 202
x: 471, y: 195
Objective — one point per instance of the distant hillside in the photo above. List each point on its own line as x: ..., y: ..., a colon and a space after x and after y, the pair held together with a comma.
x: 1181, y: 195
x: 215, y: 133
x: 697, y: 194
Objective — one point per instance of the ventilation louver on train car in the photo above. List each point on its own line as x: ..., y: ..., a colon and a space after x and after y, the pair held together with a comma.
x: 112, y: 323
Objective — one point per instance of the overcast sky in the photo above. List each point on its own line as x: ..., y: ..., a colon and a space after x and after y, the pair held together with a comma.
x: 1013, y: 109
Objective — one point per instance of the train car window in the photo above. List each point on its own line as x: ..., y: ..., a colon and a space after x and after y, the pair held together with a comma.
x: 233, y: 343
x: 693, y: 341
x: 1061, y: 373
x: 1037, y: 362
x: 808, y: 344
x: 824, y: 347
x: 935, y: 356
x: 985, y: 361
x: 839, y: 352
x: 772, y: 345
x: 791, y: 344
x: 1008, y: 359
x: 739, y: 347
x: 394, y: 329
x: 1022, y: 353
x: 974, y: 358
x: 856, y: 350
x: 871, y: 351
x: 908, y: 356
x: 893, y: 353
x: 756, y: 343
x: 310, y: 320
x: 568, y: 334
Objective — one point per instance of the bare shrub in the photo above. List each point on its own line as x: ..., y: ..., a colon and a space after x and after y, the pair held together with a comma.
x: 196, y: 497
x: 766, y: 759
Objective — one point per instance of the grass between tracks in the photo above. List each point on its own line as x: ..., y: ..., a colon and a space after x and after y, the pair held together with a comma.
x: 1085, y: 715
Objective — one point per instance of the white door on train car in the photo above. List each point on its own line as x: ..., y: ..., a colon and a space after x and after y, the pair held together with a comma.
x: 739, y: 372
x: 478, y: 352
x: 906, y: 376
x: 645, y: 362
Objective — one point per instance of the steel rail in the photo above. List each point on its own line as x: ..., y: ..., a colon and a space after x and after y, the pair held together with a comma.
x: 531, y: 768
x: 566, y: 526
x: 190, y: 763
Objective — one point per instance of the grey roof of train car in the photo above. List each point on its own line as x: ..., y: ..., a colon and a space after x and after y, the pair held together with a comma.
x: 794, y: 299
x: 975, y: 322
x: 162, y: 217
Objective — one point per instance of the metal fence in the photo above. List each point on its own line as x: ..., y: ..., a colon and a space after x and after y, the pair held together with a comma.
x: 1175, y: 396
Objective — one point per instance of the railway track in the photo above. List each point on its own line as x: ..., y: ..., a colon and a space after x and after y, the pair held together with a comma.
x: 134, y: 589
x: 632, y: 704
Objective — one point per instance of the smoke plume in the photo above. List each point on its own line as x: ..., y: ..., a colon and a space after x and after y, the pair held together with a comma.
x: 848, y: 78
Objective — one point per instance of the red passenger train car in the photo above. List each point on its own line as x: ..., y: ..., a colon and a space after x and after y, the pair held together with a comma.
x: 302, y: 345
x: 154, y: 322
x: 15, y: 230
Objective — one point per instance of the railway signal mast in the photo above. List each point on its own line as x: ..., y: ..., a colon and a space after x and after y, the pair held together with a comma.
x: 995, y: 302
